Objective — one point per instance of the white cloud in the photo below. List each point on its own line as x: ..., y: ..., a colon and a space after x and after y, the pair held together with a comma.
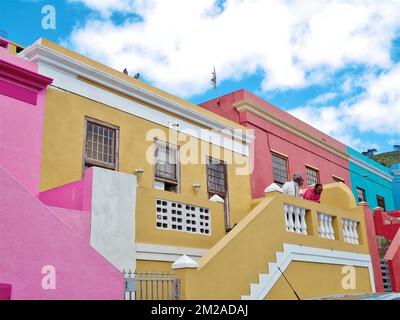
x: 294, y: 43
x: 376, y: 110
x: 323, y: 98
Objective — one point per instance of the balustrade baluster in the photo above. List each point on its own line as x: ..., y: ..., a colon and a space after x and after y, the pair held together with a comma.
x: 321, y: 229
x: 331, y: 231
x: 290, y: 222
x: 286, y: 212
x: 297, y: 225
x: 303, y: 221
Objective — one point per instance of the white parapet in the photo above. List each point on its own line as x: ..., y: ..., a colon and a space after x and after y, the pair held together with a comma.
x: 273, y: 187
x: 184, y: 262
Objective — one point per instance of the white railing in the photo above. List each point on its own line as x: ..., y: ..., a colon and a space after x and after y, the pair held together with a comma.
x: 295, y: 219
x: 350, y: 231
x: 325, y: 228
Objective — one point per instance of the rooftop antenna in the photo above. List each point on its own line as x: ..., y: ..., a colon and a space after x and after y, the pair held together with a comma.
x: 214, y: 84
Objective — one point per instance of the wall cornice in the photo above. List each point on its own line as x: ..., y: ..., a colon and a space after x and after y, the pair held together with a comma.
x: 40, y: 54
x: 370, y: 168
x: 20, y: 83
x: 250, y: 106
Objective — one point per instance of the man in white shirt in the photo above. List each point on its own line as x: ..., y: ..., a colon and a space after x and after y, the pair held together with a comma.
x: 292, y: 188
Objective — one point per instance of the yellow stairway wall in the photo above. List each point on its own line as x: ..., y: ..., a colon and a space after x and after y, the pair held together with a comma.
x: 229, y: 267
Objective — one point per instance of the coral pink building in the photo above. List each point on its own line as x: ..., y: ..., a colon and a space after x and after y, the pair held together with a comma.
x: 284, y: 144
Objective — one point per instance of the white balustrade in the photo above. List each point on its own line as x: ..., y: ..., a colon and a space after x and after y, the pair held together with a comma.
x: 295, y: 219
x: 325, y: 228
x: 350, y: 233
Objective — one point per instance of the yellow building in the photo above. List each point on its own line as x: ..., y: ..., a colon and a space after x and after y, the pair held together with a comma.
x: 183, y: 177
x: 87, y: 96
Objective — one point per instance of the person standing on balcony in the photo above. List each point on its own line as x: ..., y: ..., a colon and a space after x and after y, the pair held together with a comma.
x: 314, y: 194
x: 292, y: 188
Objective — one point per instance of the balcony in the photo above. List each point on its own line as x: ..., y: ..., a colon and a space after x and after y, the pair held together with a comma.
x: 173, y: 219
x: 291, y: 235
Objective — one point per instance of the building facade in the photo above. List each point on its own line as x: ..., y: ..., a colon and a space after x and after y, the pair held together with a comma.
x: 371, y: 182
x: 39, y: 250
x: 134, y: 178
x: 283, y: 144
x: 395, y: 170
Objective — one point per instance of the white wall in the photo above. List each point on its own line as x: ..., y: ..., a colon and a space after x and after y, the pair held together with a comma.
x: 113, y: 217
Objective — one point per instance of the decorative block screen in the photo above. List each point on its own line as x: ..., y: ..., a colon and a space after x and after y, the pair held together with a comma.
x: 175, y: 216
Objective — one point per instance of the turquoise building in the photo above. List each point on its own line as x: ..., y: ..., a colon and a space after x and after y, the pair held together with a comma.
x: 370, y: 181
x: 395, y: 169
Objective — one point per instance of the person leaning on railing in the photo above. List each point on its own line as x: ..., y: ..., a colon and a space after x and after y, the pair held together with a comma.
x: 314, y: 193
x: 292, y: 188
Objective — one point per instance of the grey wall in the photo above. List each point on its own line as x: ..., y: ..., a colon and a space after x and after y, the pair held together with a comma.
x: 113, y: 217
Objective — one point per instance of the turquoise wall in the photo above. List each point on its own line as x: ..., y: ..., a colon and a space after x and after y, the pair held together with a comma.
x: 396, y: 185
x: 373, y: 184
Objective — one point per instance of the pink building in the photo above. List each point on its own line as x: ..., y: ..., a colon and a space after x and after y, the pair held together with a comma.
x: 284, y: 144
x: 45, y: 251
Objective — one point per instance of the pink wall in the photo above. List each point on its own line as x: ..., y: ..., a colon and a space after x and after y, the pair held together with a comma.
x: 373, y: 249
x: 269, y: 136
x: 393, y: 259
x: 385, y: 229
x: 22, y: 101
x: 76, y: 195
x: 33, y: 236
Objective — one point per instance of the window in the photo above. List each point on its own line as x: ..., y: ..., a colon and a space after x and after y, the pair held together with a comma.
x: 166, y: 166
x: 101, y: 145
x: 381, y: 202
x: 361, y: 195
x: 337, y: 179
x: 280, y: 169
x: 216, y: 177
x: 312, y: 176
x: 217, y: 184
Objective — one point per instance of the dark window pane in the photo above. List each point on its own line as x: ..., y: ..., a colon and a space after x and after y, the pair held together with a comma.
x: 279, y: 167
x: 312, y: 176
x: 100, y: 149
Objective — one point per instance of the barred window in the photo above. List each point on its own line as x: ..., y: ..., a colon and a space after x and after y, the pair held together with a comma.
x: 166, y: 166
x: 312, y: 176
x: 361, y: 195
x: 381, y: 202
x: 216, y: 177
x: 101, y: 145
x: 280, y: 169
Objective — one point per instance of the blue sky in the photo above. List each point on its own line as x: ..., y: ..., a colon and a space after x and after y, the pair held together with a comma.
x: 334, y: 64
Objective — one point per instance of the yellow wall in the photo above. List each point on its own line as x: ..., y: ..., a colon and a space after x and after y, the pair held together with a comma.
x: 153, y: 266
x: 311, y: 278
x: 229, y: 267
x: 62, y: 153
x: 145, y: 216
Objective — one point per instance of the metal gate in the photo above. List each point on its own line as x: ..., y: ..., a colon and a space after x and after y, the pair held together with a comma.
x: 151, y: 286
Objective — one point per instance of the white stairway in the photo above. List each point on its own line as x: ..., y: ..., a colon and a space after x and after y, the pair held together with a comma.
x: 266, y: 281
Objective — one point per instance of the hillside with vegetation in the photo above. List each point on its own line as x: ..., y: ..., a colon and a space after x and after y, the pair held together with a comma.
x: 387, y: 158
